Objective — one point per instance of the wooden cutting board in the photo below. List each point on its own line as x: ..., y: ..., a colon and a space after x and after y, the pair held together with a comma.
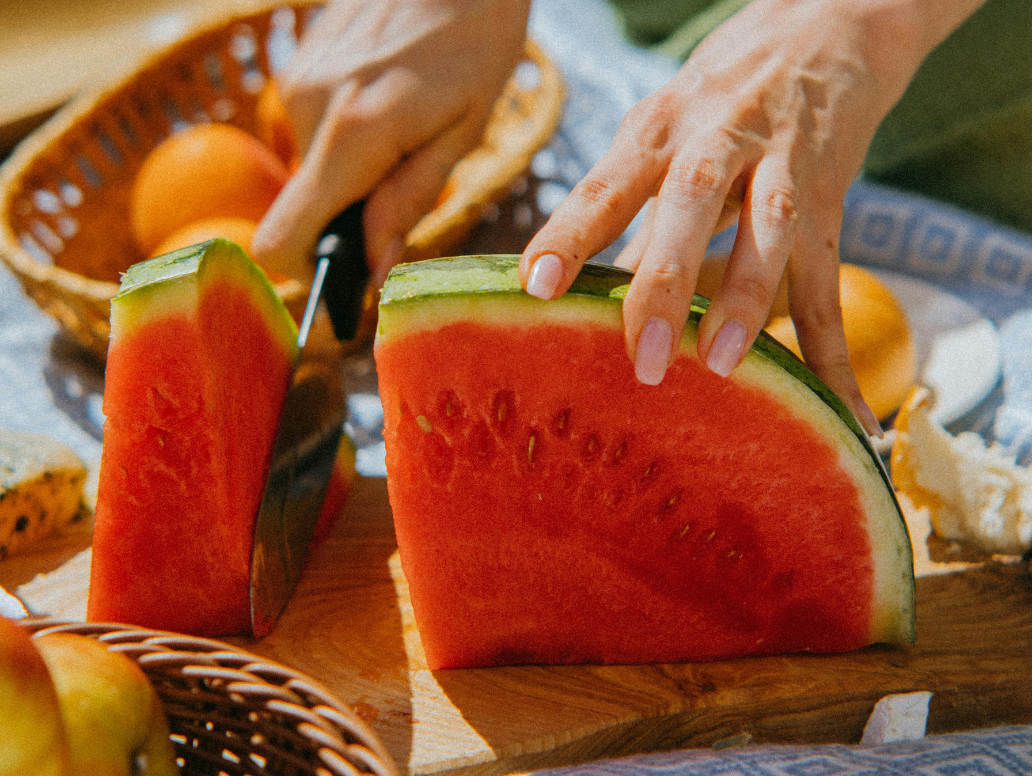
x: 349, y: 626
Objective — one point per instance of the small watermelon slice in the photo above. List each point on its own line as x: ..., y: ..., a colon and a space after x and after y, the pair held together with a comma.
x: 201, y: 355
x: 551, y: 509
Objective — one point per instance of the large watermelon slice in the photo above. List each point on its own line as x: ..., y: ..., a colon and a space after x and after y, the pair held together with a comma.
x: 201, y: 355
x: 551, y: 509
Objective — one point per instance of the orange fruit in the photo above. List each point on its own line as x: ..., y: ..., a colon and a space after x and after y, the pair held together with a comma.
x: 274, y: 127
x: 878, y: 334
x: 239, y: 230
x: 204, y: 171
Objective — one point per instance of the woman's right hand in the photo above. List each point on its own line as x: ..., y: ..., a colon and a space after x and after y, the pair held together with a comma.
x: 385, y: 96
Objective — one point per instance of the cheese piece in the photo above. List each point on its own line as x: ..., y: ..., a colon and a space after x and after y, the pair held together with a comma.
x: 41, y: 489
x: 976, y: 494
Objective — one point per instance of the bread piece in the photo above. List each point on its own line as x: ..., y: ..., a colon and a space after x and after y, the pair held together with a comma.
x: 41, y: 489
x: 976, y: 494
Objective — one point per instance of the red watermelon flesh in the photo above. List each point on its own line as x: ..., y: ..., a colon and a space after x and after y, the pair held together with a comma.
x: 202, y: 352
x: 551, y: 509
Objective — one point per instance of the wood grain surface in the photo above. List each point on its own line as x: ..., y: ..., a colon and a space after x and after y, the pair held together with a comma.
x: 349, y: 626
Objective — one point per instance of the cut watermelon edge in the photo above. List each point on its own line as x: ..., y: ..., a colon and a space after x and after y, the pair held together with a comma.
x: 596, y: 297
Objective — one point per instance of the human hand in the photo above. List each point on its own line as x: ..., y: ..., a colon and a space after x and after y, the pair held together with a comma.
x: 385, y: 97
x: 770, y: 116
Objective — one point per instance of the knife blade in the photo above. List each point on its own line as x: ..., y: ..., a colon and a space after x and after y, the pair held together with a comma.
x: 311, y: 424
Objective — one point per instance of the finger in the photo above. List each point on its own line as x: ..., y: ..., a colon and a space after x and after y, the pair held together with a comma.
x: 741, y: 306
x: 410, y: 191
x: 603, y: 203
x: 659, y: 300
x: 630, y: 256
x: 815, y: 305
x: 349, y: 154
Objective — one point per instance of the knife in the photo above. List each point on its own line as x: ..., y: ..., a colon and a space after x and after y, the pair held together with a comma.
x: 310, y: 426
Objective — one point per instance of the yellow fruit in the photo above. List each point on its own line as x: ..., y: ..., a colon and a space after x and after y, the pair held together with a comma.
x: 32, y: 739
x: 113, y: 717
x: 41, y: 483
x: 878, y: 334
x: 274, y: 127
x: 204, y: 171
x: 239, y: 230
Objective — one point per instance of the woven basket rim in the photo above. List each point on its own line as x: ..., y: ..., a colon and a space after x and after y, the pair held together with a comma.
x: 204, y: 657
x: 13, y: 169
x: 77, y: 109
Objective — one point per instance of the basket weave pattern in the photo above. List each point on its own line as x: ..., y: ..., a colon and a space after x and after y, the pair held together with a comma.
x: 64, y: 193
x: 234, y: 713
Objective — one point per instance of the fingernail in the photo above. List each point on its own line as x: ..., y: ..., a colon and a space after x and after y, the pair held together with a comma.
x: 726, y: 350
x: 653, y: 351
x: 870, y: 421
x: 545, y: 276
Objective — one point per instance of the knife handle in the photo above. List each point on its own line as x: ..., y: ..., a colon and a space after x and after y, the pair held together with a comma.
x: 344, y: 288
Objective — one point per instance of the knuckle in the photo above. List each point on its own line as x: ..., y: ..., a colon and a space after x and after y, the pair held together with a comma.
x: 671, y: 276
x: 651, y: 119
x: 777, y: 204
x: 819, y: 316
x: 756, y: 290
x: 696, y: 182
x: 597, y: 190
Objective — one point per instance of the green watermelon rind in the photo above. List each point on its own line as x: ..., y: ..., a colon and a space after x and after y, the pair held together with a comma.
x: 464, y: 286
x: 497, y: 275
x: 175, y: 276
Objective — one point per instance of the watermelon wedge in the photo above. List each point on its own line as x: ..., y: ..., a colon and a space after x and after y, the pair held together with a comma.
x: 551, y: 509
x: 201, y: 355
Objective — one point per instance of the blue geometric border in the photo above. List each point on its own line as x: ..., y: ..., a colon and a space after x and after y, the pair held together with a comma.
x: 983, y: 263
x: 997, y: 752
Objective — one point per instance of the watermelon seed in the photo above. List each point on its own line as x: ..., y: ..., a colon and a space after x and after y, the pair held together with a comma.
x: 591, y: 448
x: 687, y: 527
x: 161, y: 440
x: 561, y: 423
x: 424, y: 424
x: 504, y: 405
x: 620, y: 453
x: 672, y: 501
x: 530, y: 448
x: 711, y: 536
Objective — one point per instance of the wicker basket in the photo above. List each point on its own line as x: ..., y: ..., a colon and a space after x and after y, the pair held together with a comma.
x: 64, y: 192
x: 234, y: 713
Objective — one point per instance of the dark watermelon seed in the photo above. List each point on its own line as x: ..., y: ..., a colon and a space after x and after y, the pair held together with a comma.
x: 619, y: 454
x: 650, y: 473
x: 591, y: 447
x: 562, y: 423
x: 450, y: 408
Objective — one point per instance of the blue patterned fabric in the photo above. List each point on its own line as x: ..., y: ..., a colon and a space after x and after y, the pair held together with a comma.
x: 998, y: 752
